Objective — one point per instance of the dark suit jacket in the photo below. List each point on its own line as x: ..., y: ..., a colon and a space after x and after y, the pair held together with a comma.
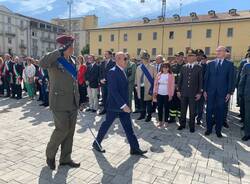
x: 92, y: 75
x: 219, y: 82
x: 242, y: 63
x: 190, y: 81
x: 117, y: 90
x: 105, y: 69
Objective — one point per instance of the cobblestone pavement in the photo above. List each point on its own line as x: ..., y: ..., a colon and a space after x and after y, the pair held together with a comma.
x: 173, y: 157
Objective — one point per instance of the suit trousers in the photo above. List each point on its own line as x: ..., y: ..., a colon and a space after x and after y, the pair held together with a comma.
x: 65, y: 122
x: 242, y: 107
x: 82, y: 93
x: 188, y: 102
x: 126, y: 124
x: 200, y: 108
x: 163, y: 103
x: 247, y: 118
x: 146, y: 106
x: 104, y: 89
x: 216, y: 105
x: 93, y: 98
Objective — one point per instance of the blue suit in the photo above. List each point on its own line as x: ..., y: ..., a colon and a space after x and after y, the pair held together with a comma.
x: 217, y: 84
x: 117, y: 97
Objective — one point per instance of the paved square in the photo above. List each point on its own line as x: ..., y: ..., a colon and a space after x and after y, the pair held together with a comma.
x: 174, y: 157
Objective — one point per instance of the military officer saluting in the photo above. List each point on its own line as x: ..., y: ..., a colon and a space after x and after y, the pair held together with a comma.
x: 63, y: 100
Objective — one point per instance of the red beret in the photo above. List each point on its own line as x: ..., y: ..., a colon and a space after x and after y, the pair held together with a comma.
x: 65, y: 39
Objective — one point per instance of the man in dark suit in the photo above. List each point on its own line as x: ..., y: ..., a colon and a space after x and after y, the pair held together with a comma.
x: 200, y: 103
x: 239, y: 99
x: 92, y: 80
x: 105, y: 66
x: 117, y: 106
x: 217, y: 89
x: 189, y: 89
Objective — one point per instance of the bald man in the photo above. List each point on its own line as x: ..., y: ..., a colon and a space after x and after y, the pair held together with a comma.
x: 118, y: 106
x: 218, y: 87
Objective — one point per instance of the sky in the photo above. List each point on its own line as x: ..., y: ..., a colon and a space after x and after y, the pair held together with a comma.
x: 110, y: 11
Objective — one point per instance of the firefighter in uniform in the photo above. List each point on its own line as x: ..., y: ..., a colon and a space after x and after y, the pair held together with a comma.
x: 175, y: 104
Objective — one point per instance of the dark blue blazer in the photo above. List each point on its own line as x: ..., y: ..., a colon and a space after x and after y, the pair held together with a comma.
x: 117, y: 90
x: 219, y: 82
x: 105, y: 69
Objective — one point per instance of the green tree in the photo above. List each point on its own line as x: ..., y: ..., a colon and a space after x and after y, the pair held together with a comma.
x: 85, y: 50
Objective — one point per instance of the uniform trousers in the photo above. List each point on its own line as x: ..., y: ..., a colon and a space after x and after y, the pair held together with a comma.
x: 188, y: 102
x: 65, y: 122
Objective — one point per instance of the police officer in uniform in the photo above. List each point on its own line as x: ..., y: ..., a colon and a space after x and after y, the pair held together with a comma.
x: 189, y: 89
x: 175, y: 104
x: 244, y: 93
x: 63, y: 101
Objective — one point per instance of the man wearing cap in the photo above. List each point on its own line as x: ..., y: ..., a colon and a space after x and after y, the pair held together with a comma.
x: 145, y: 75
x: 63, y: 100
x: 189, y: 89
x: 175, y: 104
x: 200, y: 103
x: 217, y: 89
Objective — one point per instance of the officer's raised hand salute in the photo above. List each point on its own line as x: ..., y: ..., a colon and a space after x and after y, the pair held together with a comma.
x: 64, y: 100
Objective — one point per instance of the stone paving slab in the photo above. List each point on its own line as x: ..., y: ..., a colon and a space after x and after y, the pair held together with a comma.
x: 174, y: 157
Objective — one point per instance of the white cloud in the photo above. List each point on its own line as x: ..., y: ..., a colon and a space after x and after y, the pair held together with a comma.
x: 32, y: 6
x: 123, y: 8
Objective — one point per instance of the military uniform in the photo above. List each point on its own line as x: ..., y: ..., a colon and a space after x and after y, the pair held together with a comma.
x: 63, y: 102
x: 130, y: 72
x: 175, y: 104
x: 244, y: 92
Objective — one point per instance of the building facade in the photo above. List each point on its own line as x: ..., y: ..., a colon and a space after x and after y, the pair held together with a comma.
x: 14, y: 33
x: 26, y: 36
x: 171, y: 35
x: 79, y: 27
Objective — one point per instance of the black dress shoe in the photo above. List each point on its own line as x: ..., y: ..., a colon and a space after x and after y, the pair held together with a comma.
x: 51, y: 163
x: 192, y: 130
x: 46, y: 105
x: 245, y: 138
x: 207, y: 133
x: 97, y: 148
x: 226, y: 125
x: 88, y: 110
x: 148, y: 119
x: 94, y: 111
x: 180, y: 128
x: 137, y: 152
x: 102, y: 112
x: 71, y: 164
x: 198, y: 122
x: 219, y: 135
x: 140, y: 118
x: 42, y: 104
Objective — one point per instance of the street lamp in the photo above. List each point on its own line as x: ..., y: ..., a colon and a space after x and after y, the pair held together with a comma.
x: 70, y: 2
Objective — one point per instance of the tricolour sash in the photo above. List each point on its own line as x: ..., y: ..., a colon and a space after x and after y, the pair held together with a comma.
x: 149, y: 77
x: 68, y: 67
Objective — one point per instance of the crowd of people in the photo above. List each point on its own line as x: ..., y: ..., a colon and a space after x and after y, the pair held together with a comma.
x: 166, y: 87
